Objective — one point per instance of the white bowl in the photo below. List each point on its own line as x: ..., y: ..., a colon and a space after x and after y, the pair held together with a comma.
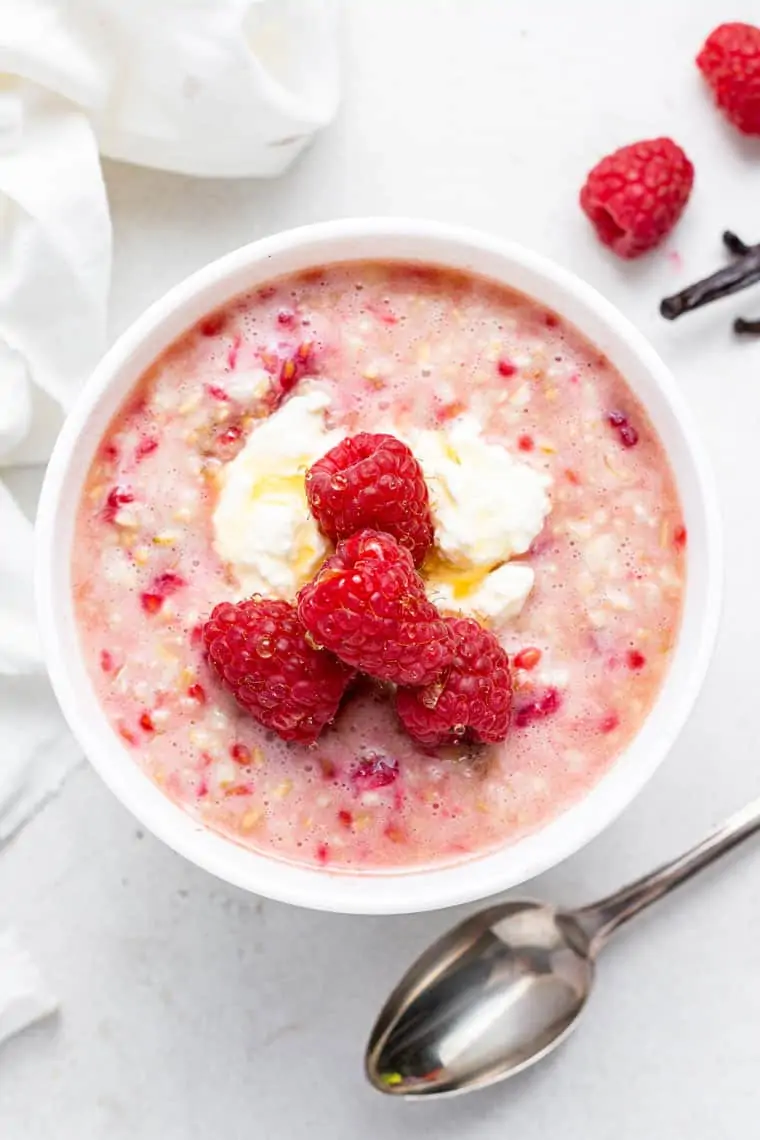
x: 415, y: 889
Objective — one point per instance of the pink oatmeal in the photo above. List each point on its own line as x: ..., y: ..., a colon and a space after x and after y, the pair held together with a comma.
x: 396, y: 347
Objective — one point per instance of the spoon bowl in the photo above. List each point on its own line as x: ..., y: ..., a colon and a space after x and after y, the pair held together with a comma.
x: 497, y: 992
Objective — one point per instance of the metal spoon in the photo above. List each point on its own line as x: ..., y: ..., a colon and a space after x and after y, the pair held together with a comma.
x: 505, y: 987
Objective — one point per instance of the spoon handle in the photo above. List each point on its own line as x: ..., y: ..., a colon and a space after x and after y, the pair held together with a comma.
x: 602, y: 918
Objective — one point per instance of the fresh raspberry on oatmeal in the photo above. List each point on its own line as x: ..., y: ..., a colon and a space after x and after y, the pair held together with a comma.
x: 368, y: 605
x: 260, y: 652
x: 372, y: 482
x: 473, y: 698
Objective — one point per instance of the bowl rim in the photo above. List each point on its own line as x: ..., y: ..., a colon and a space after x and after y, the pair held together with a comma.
x: 318, y: 888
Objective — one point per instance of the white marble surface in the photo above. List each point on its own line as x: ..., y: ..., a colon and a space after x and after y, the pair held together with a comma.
x: 190, y: 1010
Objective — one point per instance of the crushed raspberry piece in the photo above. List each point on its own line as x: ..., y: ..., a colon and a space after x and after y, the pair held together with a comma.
x: 197, y: 693
x: 146, y: 722
x: 730, y: 62
x: 374, y: 772
x: 213, y: 324
x: 116, y: 498
x: 635, y: 196
x: 260, y: 652
x: 110, y: 452
x: 472, y: 701
x: 635, y: 659
x: 168, y: 583
x: 232, y: 354
x: 506, y: 368
x: 679, y: 536
x: 202, y: 789
x: 289, y: 365
x: 551, y: 320
x: 323, y: 853
x: 217, y: 393
x: 572, y: 477
x: 367, y: 604
x: 537, y: 706
x: 526, y: 443
x: 240, y: 753
x: 106, y: 661
x: 627, y: 433
x: 162, y: 586
x: 286, y: 318
x: 527, y: 658
x: 609, y: 722
x: 372, y: 481
x: 145, y: 447
x: 229, y: 436
x: 345, y: 819
x: 196, y: 635
x: 383, y: 312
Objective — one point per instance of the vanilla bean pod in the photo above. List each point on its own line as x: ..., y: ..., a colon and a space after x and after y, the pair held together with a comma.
x: 740, y: 274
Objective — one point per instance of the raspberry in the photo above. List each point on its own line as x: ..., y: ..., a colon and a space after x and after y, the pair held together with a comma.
x: 730, y: 62
x: 372, y: 481
x: 261, y: 654
x: 474, y: 699
x: 636, y: 195
x: 367, y: 605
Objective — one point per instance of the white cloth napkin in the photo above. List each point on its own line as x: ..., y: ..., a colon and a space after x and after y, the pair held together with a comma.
x: 24, y: 997
x: 222, y: 88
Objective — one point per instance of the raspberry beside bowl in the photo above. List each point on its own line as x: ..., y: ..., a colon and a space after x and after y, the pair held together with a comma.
x: 415, y: 889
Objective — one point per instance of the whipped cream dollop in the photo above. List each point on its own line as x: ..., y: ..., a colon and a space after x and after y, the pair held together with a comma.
x: 487, y: 506
x: 262, y: 525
